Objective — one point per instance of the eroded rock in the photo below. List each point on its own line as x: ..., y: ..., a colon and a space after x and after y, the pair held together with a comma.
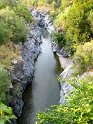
x: 23, y: 70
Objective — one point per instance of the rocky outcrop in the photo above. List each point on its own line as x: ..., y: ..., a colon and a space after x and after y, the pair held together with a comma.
x: 65, y: 87
x: 23, y: 70
x: 60, y: 51
x: 43, y: 19
x: 66, y: 64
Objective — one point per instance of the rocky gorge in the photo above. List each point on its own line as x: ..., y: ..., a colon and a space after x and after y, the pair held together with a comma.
x: 23, y: 70
x: 64, y: 56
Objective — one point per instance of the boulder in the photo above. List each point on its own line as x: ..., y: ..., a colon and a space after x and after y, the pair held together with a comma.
x: 65, y: 87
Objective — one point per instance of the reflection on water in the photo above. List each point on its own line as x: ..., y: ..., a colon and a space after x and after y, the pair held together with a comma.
x: 58, y: 68
x: 44, y: 90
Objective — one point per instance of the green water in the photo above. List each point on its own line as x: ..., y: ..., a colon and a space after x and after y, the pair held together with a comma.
x: 44, y: 91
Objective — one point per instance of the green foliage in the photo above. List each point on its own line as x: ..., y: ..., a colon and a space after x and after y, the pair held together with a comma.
x: 14, y: 27
x: 4, y: 32
x: 23, y: 11
x: 79, y: 109
x: 90, y: 19
x: 4, y: 83
x: 53, y: 14
x: 4, y: 3
x: 77, y: 27
x: 65, y: 4
x: 84, y: 57
x: 19, y: 29
x: 59, y: 38
x: 5, y: 113
x: 49, y: 1
x: 76, y: 20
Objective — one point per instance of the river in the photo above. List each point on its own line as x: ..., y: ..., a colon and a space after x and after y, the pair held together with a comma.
x: 44, y: 91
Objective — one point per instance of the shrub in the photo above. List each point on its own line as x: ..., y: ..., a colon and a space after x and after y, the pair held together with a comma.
x: 90, y: 19
x: 77, y: 26
x: 23, y: 11
x: 66, y: 3
x: 76, y: 21
x: 16, y: 25
x: 2, y: 5
x: 8, y: 51
x: 5, y: 113
x: 79, y: 109
x: 19, y: 29
x: 4, y: 32
x: 4, y: 83
x: 84, y: 57
x: 53, y: 14
x: 59, y: 38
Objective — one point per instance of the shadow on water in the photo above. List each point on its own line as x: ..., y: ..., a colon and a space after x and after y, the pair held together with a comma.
x: 44, y: 90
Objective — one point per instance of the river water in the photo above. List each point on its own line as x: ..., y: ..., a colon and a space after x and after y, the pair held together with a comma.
x: 44, y: 91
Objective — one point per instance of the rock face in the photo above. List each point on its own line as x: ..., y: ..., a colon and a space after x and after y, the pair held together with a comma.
x: 66, y: 64
x: 43, y: 20
x: 61, y: 51
x: 23, y: 70
x: 65, y: 87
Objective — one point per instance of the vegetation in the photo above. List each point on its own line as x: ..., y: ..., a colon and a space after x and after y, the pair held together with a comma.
x: 4, y: 83
x: 8, y: 52
x: 14, y: 18
x: 59, y: 38
x: 79, y: 109
x: 15, y: 30
x: 22, y: 11
x: 84, y: 56
x: 73, y: 22
x: 5, y: 113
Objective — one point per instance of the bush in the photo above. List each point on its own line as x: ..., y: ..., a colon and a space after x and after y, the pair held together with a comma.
x: 53, y: 14
x: 79, y: 110
x: 15, y: 26
x: 59, y: 38
x: 84, y: 57
x: 4, y: 32
x: 2, y: 5
x: 77, y: 26
x: 19, y: 29
x: 4, y: 83
x: 66, y: 3
x: 90, y: 19
x: 22, y: 11
x: 76, y: 21
x: 5, y: 113
x: 8, y: 52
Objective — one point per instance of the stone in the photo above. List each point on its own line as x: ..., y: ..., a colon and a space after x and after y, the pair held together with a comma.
x: 14, y: 61
x: 65, y: 87
x: 22, y: 71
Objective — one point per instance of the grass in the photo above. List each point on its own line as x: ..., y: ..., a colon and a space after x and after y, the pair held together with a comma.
x: 8, y: 52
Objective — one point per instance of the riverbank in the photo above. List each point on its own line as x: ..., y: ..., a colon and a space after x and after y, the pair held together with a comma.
x: 23, y: 70
x: 66, y: 64
x: 44, y: 90
x: 64, y: 57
